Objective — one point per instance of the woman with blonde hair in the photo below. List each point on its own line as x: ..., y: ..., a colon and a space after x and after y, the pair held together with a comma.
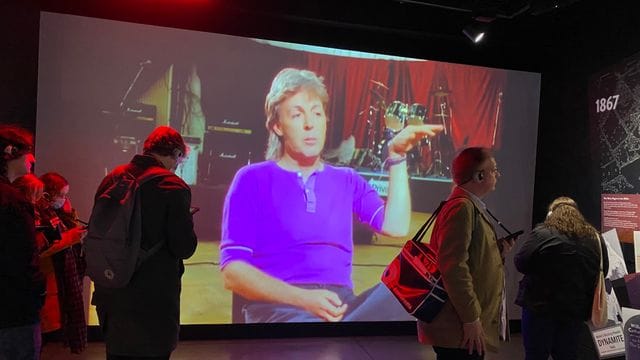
x: 560, y: 261
x: 30, y: 186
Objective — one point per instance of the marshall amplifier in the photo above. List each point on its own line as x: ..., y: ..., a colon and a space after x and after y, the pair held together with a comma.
x: 227, y: 147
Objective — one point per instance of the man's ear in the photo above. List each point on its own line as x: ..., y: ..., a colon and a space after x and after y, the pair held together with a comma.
x: 277, y: 129
x: 9, y: 152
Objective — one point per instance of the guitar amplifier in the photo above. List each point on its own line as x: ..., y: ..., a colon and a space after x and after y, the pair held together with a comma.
x: 227, y: 147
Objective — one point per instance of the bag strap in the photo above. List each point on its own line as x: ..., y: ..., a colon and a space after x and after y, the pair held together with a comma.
x: 432, y: 219
x: 425, y: 227
x: 599, y: 248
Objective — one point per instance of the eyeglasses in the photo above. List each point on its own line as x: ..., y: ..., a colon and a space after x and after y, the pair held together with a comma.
x: 55, y: 196
x: 63, y: 196
x: 494, y: 170
x: 180, y: 158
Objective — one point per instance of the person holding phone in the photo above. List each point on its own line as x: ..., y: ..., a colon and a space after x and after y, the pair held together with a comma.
x: 62, y: 263
x: 471, y: 261
x: 560, y: 260
x: 142, y: 319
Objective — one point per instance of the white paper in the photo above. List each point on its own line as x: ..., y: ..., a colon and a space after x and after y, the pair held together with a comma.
x: 617, y: 267
x: 609, y: 341
x: 627, y: 313
x: 611, y: 237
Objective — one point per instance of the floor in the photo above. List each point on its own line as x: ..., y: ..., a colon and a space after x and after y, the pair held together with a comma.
x: 204, y: 301
x: 351, y: 348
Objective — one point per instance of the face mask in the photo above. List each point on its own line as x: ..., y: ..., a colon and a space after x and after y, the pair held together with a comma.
x: 58, y: 203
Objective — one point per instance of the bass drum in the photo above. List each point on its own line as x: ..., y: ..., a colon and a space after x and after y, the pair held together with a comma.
x: 395, y: 116
x: 416, y: 114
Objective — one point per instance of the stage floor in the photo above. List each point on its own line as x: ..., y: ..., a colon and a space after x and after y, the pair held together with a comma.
x: 352, y: 348
x: 205, y: 300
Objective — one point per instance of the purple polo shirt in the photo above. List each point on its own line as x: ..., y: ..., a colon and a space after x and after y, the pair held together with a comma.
x: 301, y: 233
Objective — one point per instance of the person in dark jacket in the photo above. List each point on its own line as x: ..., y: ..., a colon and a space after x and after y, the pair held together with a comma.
x: 142, y: 320
x: 560, y: 261
x: 21, y: 282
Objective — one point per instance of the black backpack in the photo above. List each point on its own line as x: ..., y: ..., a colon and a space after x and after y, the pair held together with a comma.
x: 112, y: 245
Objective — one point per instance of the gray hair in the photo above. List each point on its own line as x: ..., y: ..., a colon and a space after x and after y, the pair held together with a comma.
x: 287, y: 83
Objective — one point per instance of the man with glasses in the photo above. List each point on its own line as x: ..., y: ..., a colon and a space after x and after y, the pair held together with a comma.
x: 143, y: 318
x: 470, y: 258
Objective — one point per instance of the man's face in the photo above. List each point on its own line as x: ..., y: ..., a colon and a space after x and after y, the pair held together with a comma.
x: 177, y: 159
x: 491, y: 174
x: 302, y: 124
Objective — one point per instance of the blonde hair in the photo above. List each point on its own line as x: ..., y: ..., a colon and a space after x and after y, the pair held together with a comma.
x: 30, y: 186
x: 565, y: 217
x: 285, y: 84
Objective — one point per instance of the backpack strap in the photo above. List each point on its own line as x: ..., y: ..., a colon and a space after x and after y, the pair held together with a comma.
x: 141, y: 178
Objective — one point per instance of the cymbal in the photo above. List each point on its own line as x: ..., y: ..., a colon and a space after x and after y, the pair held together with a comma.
x: 378, y: 83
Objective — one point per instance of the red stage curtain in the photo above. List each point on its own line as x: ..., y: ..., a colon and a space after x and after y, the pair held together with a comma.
x: 471, y: 104
x: 348, y: 81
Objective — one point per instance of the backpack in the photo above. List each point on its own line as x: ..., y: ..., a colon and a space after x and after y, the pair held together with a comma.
x: 112, y: 246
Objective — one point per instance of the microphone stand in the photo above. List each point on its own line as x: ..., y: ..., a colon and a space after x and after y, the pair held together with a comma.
x: 495, y: 126
x: 135, y: 79
x: 126, y: 141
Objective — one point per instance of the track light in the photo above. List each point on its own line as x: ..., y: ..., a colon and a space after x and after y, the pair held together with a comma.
x: 476, y: 32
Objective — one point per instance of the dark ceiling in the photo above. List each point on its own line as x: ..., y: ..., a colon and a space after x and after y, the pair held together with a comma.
x: 522, y: 34
x: 534, y: 35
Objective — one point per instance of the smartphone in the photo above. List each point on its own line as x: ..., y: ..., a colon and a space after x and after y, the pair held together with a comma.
x: 194, y: 209
x: 513, y: 236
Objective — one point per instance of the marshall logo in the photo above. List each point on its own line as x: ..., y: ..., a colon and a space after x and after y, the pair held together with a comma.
x: 230, y: 122
x: 228, y: 156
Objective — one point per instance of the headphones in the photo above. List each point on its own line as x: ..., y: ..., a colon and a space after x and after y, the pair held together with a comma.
x: 10, y: 152
x: 479, y: 176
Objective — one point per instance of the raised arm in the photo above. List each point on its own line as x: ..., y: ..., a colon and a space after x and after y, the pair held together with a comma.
x: 397, y: 212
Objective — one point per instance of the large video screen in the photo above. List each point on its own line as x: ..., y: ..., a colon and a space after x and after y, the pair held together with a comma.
x: 105, y: 85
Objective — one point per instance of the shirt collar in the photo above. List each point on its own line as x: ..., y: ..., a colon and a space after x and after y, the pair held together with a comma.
x: 479, y: 203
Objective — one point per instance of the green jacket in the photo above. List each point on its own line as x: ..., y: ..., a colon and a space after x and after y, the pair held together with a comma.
x: 472, y: 272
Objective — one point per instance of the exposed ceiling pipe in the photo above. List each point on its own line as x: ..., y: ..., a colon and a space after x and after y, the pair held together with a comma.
x: 489, y: 12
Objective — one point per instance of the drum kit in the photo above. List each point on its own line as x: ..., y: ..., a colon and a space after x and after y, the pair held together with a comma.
x: 426, y: 158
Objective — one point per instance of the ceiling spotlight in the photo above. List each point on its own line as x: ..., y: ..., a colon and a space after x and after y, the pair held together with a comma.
x: 475, y: 32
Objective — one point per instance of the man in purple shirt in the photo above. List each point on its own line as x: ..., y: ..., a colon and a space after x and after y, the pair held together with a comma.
x: 287, y: 242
